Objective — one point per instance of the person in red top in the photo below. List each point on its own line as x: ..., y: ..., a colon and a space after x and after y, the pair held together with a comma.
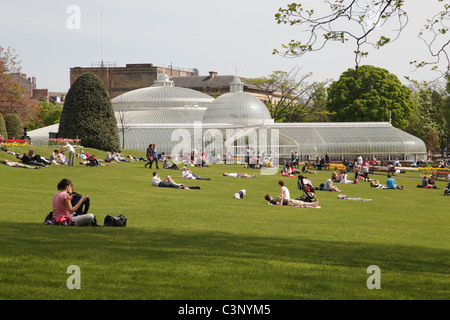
x: 63, y: 209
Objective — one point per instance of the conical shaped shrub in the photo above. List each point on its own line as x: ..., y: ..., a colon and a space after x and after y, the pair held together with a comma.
x: 14, y: 127
x: 88, y: 114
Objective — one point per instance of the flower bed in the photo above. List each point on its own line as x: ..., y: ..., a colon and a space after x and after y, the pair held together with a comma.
x: 59, y: 142
x: 13, y: 143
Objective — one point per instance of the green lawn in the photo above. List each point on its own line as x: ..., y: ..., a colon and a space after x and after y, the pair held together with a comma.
x: 202, y: 244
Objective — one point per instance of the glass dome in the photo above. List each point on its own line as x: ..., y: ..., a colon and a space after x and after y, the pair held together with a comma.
x: 236, y: 107
x: 162, y: 94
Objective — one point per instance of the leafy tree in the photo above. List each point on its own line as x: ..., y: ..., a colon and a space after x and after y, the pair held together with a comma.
x: 367, y: 24
x: 290, y: 98
x: 14, y: 98
x: 3, y: 132
x: 369, y: 94
x: 14, y: 127
x: 88, y: 114
x: 424, y: 121
x: 46, y: 114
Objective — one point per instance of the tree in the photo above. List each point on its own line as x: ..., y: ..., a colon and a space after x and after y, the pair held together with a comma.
x: 14, y: 98
x: 88, y: 114
x: 369, y: 94
x: 291, y: 98
x: 46, y: 114
x: 366, y: 23
x: 3, y: 132
x: 14, y: 127
x: 425, y: 121
x: 122, y: 119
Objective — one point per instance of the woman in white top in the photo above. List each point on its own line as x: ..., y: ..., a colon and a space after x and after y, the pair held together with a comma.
x: 344, y: 178
x: 284, y: 192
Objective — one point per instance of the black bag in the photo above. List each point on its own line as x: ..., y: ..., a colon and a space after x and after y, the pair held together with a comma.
x: 49, y: 219
x: 118, y: 221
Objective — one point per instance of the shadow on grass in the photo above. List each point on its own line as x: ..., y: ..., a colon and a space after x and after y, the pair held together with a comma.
x: 134, y: 256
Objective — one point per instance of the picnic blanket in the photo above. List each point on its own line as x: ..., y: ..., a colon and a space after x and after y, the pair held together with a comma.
x: 345, y: 197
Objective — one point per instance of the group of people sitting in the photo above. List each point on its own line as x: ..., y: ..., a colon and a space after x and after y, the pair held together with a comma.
x: 288, y: 169
x: 390, y: 184
x: 429, y: 183
x: 284, y: 199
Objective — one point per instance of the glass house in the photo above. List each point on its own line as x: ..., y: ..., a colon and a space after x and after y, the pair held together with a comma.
x: 178, y: 120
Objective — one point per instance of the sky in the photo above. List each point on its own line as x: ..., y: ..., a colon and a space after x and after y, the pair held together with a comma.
x: 230, y: 37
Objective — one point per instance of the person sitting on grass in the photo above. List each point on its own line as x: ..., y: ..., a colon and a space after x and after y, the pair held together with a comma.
x: 238, y: 175
x: 391, y: 184
x: 187, y: 174
x: 328, y: 186
x: 306, y: 170
x: 291, y: 202
x: 63, y: 209
x: 284, y: 194
x: 425, y: 183
x: 17, y: 164
x: 171, y: 166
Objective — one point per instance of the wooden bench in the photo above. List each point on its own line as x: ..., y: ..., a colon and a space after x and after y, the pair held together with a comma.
x: 373, y: 169
x: 440, y: 174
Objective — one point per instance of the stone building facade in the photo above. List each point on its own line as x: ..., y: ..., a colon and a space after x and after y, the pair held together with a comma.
x: 119, y: 80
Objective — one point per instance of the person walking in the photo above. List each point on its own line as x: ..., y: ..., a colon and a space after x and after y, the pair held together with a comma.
x: 149, y: 156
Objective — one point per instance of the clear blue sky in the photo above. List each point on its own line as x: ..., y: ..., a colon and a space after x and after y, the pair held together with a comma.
x: 208, y: 35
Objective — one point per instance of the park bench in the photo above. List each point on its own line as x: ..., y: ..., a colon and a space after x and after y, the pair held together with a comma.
x: 440, y: 174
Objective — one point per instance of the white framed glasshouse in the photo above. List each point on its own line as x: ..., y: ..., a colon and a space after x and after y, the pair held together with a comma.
x: 180, y: 119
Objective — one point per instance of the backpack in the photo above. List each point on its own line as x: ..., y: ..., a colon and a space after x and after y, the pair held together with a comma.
x: 49, y: 219
x: 115, y: 221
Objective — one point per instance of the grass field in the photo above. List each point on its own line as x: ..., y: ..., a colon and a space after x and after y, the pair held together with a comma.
x: 202, y: 244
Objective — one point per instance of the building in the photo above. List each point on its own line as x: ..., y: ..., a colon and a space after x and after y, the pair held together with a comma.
x: 29, y: 83
x: 119, y: 80
x: 236, y: 120
x: 216, y: 85
x: 179, y: 120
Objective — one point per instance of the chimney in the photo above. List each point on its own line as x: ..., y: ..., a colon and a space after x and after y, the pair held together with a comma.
x: 212, y: 74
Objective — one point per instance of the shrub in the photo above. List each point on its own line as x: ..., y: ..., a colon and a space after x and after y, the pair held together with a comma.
x: 88, y: 114
x: 3, y: 131
x: 14, y: 127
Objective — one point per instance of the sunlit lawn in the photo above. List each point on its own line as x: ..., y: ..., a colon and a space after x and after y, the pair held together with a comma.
x: 203, y: 244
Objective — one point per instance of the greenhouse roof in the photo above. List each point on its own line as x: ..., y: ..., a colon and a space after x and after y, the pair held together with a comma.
x: 351, y: 138
x: 161, y: 97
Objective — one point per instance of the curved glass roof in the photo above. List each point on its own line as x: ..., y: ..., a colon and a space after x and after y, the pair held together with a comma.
x: 364, y: 138
x: 161, y: 96
x: 161, y: 116
x: 236, y: 108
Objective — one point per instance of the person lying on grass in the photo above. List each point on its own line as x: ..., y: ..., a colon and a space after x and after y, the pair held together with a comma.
x: 18, y: 165
x: 238, y: 175
x: 187, y: 174
x: 169, y: 183
x: 170, y: 180
x: 291, y: 202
